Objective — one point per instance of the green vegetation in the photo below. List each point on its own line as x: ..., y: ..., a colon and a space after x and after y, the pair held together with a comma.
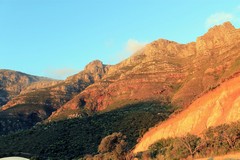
x: 218, y: 140
x: 78, y: 137
x: 111, y: 147
x: 13, y: 124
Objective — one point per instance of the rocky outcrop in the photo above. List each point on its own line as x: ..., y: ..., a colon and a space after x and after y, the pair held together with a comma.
x: 93, y: 72
x: 218, y: 106
x: 217, y: 37
x: 12, y: 83
x: 163, y: 70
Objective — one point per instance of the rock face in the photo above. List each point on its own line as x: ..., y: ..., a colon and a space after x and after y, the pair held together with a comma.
x: 218, y: 37
x: 218, y: 106
x: 165, y: 71
x: 12, y: 83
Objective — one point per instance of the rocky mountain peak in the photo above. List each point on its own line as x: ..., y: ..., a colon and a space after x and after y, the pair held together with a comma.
x: 225, y: 27
x: 94, y: 66
x: 161, y: 48
x: 218, y: 36
x: 92, y: 72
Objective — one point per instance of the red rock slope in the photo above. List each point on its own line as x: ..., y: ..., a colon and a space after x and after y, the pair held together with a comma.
x: 218, y: 106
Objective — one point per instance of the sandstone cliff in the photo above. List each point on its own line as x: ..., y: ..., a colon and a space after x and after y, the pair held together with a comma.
x: 218, y: 106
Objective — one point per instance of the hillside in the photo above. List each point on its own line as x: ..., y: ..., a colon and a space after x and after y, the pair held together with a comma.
x: 36, y: 102
x: 218, y: 106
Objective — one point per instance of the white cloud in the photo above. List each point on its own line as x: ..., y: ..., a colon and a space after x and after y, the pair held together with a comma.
x: 219, y: 18
x: 133, y: 46
x: 130, y: 48
x: 61, y: 73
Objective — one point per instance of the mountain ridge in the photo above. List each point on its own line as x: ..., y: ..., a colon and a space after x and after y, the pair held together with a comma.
x: 163, y: 70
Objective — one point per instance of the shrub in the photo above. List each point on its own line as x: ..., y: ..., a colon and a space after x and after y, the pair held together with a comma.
x: 215, y: 141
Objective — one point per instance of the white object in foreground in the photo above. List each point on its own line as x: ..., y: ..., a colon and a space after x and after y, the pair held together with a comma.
x: 14, y: 158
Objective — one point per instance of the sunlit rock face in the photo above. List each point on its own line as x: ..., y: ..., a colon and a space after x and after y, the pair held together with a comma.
x: 165, y: 71
x: 218, y: 106
x: 217, y: 37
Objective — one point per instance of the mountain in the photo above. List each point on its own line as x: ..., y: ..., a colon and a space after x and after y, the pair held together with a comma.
x: 218, y: 106
x: 164, y: 71
x: 196, y: 84
x: 12, y: 83
x: 39, y: 100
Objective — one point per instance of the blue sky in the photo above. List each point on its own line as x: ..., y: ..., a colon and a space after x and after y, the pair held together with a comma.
x: 57, y: 38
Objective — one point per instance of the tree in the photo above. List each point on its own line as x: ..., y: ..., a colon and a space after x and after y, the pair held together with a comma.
x: 113, y: 146
x: 232, y: 134
x: 192, y: 143
x: 114, y: 142
x: 161, y: 147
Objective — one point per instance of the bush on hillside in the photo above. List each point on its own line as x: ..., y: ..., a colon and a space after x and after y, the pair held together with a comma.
x: 214, y: 141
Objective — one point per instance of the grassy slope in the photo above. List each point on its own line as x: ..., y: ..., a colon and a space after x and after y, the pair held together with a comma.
x: 76, y: 137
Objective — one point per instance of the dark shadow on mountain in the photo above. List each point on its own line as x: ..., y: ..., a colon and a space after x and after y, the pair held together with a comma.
x: 22, y: 117
x: 3, y: 97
